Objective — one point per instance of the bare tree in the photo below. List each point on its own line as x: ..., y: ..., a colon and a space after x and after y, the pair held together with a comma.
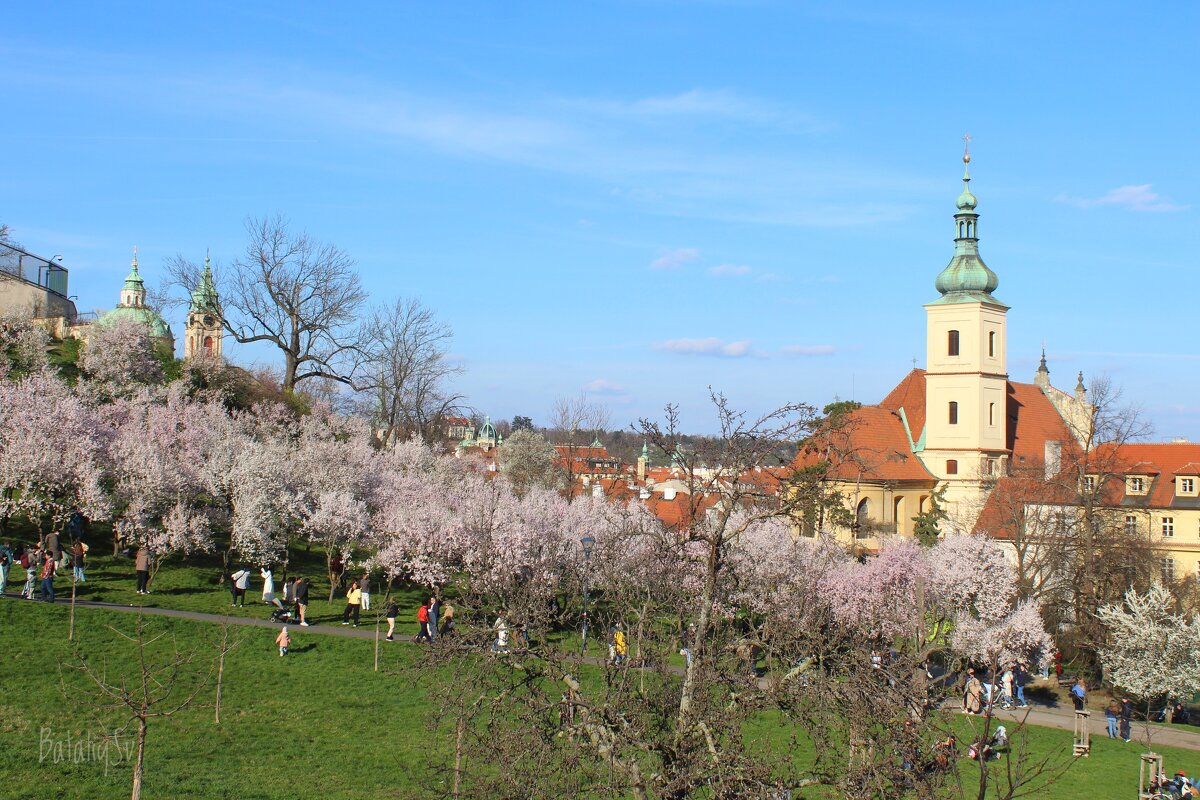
x: 405, y: 372
x: 288, y: 289
x: 226, y: 644
x: 572, y: 421
x: 527, y: 460
x: 161, y: 685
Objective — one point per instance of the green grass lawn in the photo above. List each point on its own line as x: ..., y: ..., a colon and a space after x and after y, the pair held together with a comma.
x: 318, y: 722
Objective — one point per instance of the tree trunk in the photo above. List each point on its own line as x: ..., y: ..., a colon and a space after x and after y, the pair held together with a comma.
x: 220, y: 678
x: 458, y: 737
x: 137, y: 765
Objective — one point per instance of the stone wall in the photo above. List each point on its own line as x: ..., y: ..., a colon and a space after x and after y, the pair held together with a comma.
x: 17, y: 295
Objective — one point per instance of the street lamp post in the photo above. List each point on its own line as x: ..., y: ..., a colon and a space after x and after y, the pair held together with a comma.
x: 588, y: 542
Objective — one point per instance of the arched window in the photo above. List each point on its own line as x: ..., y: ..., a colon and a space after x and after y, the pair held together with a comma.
x: 992, y: 344
x: 953, y: 413
x: 952, y: 343
x: 991, y: 413
x: 951, y: 467
x: 208, y: 344
x: 862, y: 518
x: 898, y: 513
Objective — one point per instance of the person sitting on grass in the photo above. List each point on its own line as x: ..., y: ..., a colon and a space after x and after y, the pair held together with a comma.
x: 283, y: 640
x: 353, y: 603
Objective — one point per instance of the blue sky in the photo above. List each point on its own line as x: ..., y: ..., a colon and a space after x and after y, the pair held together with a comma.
x: 641, y: 199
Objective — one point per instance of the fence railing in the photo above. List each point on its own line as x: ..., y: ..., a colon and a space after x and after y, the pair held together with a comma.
x: 39, y: 271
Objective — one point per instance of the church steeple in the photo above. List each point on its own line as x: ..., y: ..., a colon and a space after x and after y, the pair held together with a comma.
x: 205, y: 326
x: 966, y: 278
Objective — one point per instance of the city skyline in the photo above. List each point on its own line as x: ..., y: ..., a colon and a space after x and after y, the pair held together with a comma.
x: 632, y: 211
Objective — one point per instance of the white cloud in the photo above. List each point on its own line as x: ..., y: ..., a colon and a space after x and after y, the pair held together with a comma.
x: 1134, y: 198
x: 711, y: 346
x: 729, y: 270
x: 675, y: 258
x: 603, y: 387
x: 809, y: 350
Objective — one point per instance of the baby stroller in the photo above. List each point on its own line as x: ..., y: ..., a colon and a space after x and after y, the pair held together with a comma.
x: 282, y: 613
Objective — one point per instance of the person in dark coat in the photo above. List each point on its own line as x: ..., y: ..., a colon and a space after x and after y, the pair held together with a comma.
x: 1126, y: 716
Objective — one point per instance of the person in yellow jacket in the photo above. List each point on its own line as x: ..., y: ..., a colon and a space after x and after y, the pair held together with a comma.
x: 353, y: 603
x: 620, y: 644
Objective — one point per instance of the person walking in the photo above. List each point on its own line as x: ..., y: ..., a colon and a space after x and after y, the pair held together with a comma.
x: 1007, y: 688
x: 283, y: 641
x: 973, y: 700
x: 79, y: 553
x: 688, y: 642
x: 423, y: 623
x: 49, y: 568
x: 364, y: 586
x: 238, y: 582
x: 1020, y: 679
x: 1079, y: 694
x: 435, y: 609
x: 300, y: 592
x: 620, y: 645
x: 31, y: 561
x: 447, y: 624
x: 6, y: 559
x: 1111, y: 712
x: 390, y: 611
x: 268, y: 584
x: 353, y: 603
x: 501, y: 629
x: 142, y: 564
x: 1126, y: 717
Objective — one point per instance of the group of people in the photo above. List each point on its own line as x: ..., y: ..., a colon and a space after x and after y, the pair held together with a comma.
x: 42, y: 563
x: 1118, y: 716
x: 1008, y: 691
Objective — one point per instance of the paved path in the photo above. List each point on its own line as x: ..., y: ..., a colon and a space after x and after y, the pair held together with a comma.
x: 1186, y: 737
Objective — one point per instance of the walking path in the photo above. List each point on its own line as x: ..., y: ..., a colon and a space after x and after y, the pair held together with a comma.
x: 1046, y: 716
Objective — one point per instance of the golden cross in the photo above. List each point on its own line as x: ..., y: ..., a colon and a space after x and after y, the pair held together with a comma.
x: 967, y: 144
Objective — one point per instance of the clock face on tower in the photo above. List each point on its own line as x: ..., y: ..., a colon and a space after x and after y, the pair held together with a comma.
x: 209, y: 321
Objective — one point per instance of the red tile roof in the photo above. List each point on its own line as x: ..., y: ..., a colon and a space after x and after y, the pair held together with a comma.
x: 1032, y: 421
x: 1158, y: 460
x: 909, y: 394
x: 869, y: 445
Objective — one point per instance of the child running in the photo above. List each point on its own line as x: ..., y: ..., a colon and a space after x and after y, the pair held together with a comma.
x: 283, y: 640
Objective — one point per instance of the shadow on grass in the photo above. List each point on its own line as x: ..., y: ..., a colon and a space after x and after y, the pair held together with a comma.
x: 1042, y: 696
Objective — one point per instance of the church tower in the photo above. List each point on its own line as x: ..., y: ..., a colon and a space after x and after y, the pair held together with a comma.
x: 204, y: 321
x: 966, y: 379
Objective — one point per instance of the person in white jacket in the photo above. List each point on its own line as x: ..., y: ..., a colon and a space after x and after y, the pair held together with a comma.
x: 268, y: 585
x: 238, y: 582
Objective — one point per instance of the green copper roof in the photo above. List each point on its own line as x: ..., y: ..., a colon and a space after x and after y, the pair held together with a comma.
x: 487, y: 431
x: 204, y: 298
x: 966, y: 279
x: 141, y: 315
x: 133, y: 280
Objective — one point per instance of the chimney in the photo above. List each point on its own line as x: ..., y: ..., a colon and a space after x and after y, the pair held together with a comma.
x: 1053, y: 459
